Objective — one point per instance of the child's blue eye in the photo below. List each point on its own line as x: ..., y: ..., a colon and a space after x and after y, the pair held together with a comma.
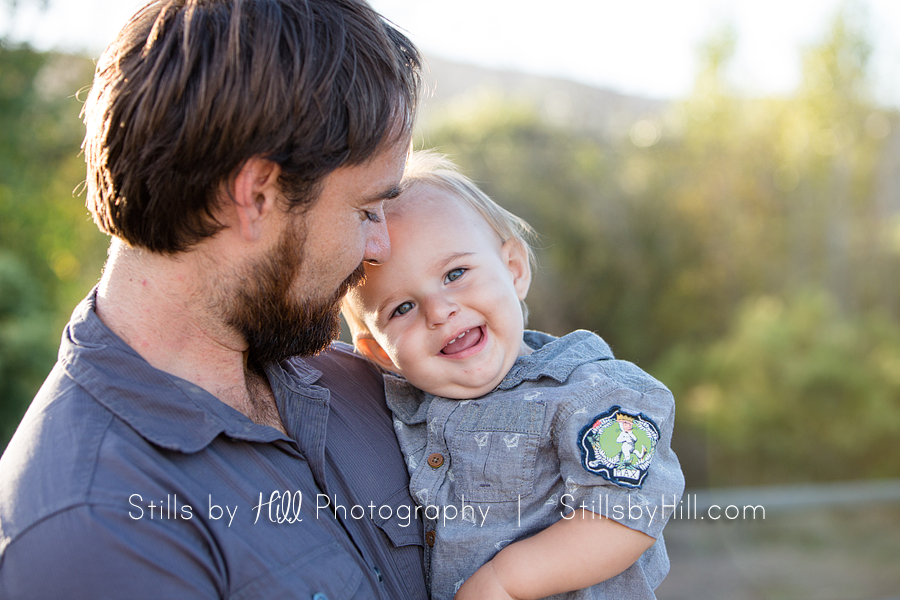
x: 403, y: 309
x: 455, y: 274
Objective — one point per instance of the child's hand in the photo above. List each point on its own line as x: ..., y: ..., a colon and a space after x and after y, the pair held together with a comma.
x: 484, y: 584
x: 544, y: 565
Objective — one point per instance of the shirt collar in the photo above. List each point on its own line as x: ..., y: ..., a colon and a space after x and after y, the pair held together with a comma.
x: 408, y: 403
x: 168, y: 411
x: 555, y: 357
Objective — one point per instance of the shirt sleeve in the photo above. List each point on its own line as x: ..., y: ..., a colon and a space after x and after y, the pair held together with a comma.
x: 614, y: 445
x: 90, y: 552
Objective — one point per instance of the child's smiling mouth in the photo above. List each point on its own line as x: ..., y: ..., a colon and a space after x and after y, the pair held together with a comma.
x: 464, y: 341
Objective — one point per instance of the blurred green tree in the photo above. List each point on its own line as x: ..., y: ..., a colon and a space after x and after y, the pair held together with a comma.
x: 50, y: 252
x: 797, y: 391
x: 27, y: 348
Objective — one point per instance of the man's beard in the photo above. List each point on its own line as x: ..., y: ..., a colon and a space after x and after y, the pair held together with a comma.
x: 276, y: 325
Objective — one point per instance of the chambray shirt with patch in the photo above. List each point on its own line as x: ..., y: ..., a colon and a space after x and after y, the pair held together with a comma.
x: 509, y: 464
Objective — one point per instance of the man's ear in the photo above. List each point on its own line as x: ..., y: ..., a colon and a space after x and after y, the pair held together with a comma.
x: 372, y: 350
x: 516, y: 257
x: 255, y: 195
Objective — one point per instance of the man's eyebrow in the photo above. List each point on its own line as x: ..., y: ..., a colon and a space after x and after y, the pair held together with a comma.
x: 386, y: 194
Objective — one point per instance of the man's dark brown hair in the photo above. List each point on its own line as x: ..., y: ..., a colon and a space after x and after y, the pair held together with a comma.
x: 191, y: 89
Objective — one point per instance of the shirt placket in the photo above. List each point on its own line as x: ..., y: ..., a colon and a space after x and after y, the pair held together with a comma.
x: 429, y: 475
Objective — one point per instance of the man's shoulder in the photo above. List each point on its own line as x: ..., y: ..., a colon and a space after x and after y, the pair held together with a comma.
x: 50, y: 462
x: 70, y: 450
x: 342, y: 353
x: 340, y: 363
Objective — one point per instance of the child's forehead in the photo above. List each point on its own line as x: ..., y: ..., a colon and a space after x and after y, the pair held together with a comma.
x: 429, y: 199
x: 420, y: 194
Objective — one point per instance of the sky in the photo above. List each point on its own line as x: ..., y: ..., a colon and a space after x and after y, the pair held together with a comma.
x: 640, y: 47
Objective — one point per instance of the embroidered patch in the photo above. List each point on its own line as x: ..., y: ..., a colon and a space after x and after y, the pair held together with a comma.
x: 619, y: 446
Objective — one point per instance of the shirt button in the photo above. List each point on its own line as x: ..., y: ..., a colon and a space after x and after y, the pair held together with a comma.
x: 319, y: 596
x: 429, y: 538
x: 435, y: 460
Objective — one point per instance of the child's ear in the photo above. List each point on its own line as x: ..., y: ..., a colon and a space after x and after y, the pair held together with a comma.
x: 516, y: 257
x: 372, y: 350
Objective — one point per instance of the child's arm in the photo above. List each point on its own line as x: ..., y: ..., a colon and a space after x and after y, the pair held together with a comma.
x: 571, y: 554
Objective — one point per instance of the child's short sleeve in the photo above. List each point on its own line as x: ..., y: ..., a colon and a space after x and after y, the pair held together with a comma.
x: 614, y: 444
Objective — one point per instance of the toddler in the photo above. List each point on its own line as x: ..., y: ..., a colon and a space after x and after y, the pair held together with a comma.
x: 542, y: 465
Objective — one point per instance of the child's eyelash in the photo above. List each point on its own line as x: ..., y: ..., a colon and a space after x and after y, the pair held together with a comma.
x: 397, y: 311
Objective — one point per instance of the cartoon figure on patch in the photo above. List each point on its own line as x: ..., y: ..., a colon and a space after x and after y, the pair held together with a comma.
x: 608, y: 446
x: 628, y: 439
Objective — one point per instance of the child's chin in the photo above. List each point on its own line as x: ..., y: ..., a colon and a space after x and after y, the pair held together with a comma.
x: 469, y: 391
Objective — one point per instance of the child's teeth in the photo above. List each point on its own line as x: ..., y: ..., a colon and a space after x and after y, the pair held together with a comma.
x: 453, y: 341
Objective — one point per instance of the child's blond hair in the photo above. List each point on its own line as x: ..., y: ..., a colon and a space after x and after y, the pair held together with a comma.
x: 427, y: 167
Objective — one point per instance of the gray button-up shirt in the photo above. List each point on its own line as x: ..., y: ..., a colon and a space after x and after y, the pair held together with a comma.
x: 568, y: 428
x: 123, y: 481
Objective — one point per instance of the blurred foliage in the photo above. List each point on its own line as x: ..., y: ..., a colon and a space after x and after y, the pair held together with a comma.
x: 744, y: 250
x: 796, y: 390
x: 50, y: 252
x: 26, y: 341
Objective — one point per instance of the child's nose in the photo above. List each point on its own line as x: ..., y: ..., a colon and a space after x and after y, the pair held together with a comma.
x: 439, y: 310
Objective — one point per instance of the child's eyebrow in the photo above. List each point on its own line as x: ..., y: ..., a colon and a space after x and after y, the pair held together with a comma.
x: 452, y: 257
x: 382, y: 307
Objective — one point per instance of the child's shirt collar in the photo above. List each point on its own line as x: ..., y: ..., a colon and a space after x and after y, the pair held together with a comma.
x: 555, y: 357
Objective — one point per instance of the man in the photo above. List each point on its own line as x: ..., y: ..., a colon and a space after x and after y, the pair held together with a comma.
x: 239, y: 152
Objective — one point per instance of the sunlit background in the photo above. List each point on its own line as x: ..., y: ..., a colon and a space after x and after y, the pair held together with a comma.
x: 717, y: 185
x: 645, y: 47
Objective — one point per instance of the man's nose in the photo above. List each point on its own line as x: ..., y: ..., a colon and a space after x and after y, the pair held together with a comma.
x: 378, y: 243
